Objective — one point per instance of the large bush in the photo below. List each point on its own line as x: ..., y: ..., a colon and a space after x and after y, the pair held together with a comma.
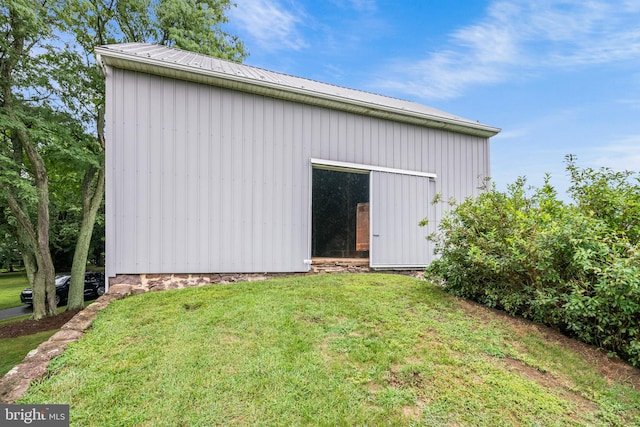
x: 574, y: 266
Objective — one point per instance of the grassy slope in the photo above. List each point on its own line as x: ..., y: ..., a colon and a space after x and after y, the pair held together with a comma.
x: 323, y: 350
x: 11, y: 284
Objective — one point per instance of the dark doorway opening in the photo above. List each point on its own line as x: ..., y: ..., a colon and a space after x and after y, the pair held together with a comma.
x: 334, y: 214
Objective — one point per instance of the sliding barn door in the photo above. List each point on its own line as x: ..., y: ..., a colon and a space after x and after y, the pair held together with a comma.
x: 398, y: 203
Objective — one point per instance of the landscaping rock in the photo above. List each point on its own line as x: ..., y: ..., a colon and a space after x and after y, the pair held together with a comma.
x: 119, y: 291
x: 80, y: 321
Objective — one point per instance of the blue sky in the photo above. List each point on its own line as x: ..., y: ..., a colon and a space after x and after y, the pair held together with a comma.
x: 558, y: 77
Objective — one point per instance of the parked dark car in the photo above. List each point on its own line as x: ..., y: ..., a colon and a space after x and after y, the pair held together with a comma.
x: 93, y: 288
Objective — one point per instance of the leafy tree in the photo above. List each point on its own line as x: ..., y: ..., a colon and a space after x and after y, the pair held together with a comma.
x: 187, y: 24
x: 66, y: 162
x: 9, y: 253
x: 27, y: 125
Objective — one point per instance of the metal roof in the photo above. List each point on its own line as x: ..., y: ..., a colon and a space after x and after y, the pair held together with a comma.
x: 176, y: 63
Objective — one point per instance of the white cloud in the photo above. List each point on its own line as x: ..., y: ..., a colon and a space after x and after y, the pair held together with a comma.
x: 272, y: 25
x: 517, y: 38
x: 359, y: 5
x: 631, y: 103
x: 511, y: 134
x: 621, y: 154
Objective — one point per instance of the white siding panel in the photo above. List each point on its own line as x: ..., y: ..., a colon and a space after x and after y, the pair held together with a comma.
x: 155, y: 156
x: 204, y: 179
x: 227, y: 178
x: 215, y: 187
x: 193, y: 149
x: 111, y: 236
x: 180, y: 178
x: 142, y: 170
x: 129, y: 200
x: 398, y: 204
x: 256, y: 162
x: 168, y: 168
x: 268, y: 184
x: 205, y: 168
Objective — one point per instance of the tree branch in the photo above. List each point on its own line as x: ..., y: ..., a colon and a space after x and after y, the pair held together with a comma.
x: 22, y: 218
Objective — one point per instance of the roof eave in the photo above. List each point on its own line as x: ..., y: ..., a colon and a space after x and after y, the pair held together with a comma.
x: 158, y: 67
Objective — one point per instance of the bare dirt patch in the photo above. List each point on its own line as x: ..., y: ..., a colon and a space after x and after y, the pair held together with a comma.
x: 612, y: 369
x: 548, y: 381
x: 396, y: 378
x: 30, y: 326
x: 411, y: 412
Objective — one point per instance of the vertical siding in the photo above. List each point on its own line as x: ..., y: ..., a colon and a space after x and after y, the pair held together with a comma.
x: 130, y: 188
x: 203, y: 179
x: 111, y: 235
x: 398, y: 204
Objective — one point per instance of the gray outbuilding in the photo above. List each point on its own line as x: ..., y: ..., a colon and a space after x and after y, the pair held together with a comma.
x: 214, y: 166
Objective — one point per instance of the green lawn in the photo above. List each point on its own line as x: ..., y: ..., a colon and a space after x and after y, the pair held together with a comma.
x: 324, y: 350
x: 11, y: 284
x: 15, y: 349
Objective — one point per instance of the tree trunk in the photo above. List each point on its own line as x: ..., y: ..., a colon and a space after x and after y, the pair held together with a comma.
x: 40, y: 271
x: 45, y: 265
x: 44, y: 288
x: 28, y: 258
x: 92, y: 195
x: 91, y: 201
x: 29, y: 266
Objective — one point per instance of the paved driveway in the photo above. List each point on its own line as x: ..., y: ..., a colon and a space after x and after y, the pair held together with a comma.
x: 15, y: 311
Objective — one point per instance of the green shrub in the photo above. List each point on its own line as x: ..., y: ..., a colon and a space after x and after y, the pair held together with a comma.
x: 575, y: 267
x: 613, y: 197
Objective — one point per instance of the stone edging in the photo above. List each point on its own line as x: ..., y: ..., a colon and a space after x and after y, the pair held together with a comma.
x: 34, y: 366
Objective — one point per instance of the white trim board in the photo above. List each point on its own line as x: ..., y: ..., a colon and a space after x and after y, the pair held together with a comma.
x: 398, y: 267
x: 357, y: 167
